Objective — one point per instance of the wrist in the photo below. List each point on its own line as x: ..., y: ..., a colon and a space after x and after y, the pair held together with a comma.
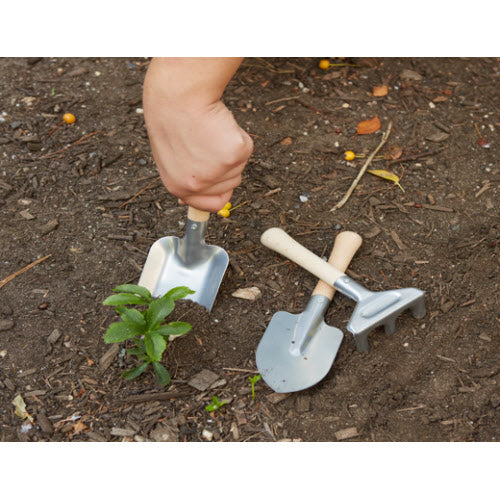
x: 189, y: 82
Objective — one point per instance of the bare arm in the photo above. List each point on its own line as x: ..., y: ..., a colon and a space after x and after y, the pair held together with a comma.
x: 199, y: 149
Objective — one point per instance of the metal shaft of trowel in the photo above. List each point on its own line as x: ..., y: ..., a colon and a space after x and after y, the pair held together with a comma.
x: 346, y: 245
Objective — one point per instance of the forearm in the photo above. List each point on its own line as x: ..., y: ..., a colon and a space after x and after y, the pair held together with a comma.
x: 191, y: 80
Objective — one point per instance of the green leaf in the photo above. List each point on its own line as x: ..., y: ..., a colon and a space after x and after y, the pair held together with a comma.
x: 179, y: 292
x: 132, y: 316
x: 175, y: 328
x: 135, y: 372
x: 158, y: 310
x: 120, y: 331
x: 161, y: 373
x: 124, y: 299
x: 135, y: 289
x: 155, y: 345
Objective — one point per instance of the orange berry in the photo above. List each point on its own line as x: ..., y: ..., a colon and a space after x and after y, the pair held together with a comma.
x: 228, y: 205
x: 324, y: 64
x: 224, y: 212
x: 349, y: 155
x: 69, y: 118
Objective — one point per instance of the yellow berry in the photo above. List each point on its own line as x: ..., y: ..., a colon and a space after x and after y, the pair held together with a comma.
x: 228, y: 206
x: 69, y: 118
x: 349, y: 155
x: 324, y: 64
x: 224, y: 212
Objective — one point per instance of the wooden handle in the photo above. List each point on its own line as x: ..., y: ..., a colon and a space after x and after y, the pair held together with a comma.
x: 197, y: 215
x: 276, y: 239
x: 346, y: 245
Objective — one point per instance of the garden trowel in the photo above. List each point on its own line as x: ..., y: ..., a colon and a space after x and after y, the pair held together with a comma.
x: 372, y: 309
x: 186, y: 261
x: 298, y: 350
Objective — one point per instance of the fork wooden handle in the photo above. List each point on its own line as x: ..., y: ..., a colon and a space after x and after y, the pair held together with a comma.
x: 346, y: 245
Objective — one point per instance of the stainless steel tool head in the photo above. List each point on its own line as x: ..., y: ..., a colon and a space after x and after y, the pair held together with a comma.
x: 375, y: 309
x: 298, y: 350
x: 186, y: 261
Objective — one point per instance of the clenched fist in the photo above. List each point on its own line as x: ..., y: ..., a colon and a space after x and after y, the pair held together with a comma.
x: 199, y: 149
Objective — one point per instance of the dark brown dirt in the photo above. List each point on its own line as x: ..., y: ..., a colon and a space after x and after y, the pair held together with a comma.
x: 63, y: 194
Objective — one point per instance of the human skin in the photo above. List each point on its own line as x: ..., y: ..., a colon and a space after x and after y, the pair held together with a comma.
x: 199, y: 149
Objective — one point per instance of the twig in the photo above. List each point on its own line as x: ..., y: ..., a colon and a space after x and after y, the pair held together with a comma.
x: 17, y: 273
x: 343, y: 201
x: 141, y: 191
x: 48, y: 155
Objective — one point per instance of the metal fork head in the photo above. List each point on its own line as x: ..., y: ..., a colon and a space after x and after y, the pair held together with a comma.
x: 381, y: 309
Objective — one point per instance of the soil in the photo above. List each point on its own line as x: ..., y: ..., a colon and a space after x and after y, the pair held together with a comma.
x: 86, y: 196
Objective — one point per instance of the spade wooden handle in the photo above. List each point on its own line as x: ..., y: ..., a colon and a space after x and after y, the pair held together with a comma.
x: 276, y: 239
x: 346, y: 245
x: 197, y: 215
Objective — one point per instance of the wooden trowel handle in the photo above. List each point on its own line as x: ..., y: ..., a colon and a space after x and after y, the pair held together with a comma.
x: 197, y: 215
x: 276, y: 239
x: 345, y: 246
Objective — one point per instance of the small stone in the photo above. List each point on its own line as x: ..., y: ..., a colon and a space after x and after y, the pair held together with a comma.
x: 203, y: 380
x: 252, y: 293
x: 54, y: 336
x: 208, y: 435
x: 6, y: 324
x: 348, y: 433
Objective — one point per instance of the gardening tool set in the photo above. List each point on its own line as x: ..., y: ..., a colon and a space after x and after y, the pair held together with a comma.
x: 296, y: 350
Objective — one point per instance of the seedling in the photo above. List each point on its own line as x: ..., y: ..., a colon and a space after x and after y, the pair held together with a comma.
x: 147, y: 328
x: 216, y: 404
x: 253, y: 381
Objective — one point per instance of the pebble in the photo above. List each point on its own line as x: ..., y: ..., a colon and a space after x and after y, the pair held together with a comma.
x: 6, y: 324
x: 54, y: 336
x: 208, y: 435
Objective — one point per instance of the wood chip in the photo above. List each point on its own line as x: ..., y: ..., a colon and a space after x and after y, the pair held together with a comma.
x: 26, y: 215
x: 397, y: 240
x: 117, y: 431
x: 348, y: 433
x: 108, y: 357
x: 277, y: 397
x: 252, y: 293
x: 203, y: 380
x: 439, y: 209
x: 49, y: 227
x: 409, y: 74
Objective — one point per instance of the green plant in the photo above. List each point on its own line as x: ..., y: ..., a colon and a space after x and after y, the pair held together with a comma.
x: 253, y: 381
x: 216, y: 404
x: 145, y: 327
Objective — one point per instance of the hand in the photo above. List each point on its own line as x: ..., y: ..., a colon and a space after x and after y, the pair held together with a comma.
x: 199, y: 149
